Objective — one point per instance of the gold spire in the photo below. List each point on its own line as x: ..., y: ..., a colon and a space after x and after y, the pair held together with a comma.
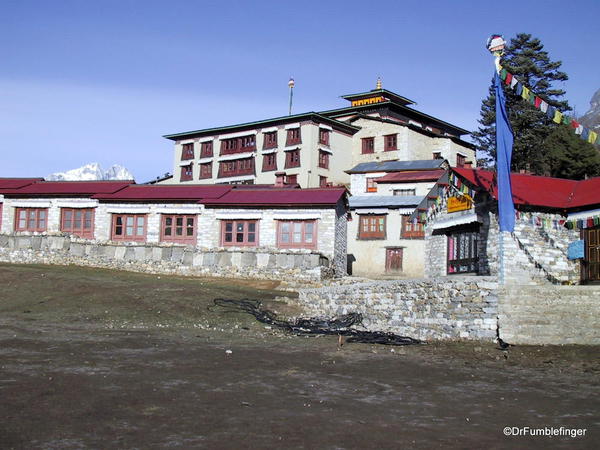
x: 378, y: 85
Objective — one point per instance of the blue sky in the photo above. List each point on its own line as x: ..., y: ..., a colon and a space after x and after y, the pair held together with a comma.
x: 102, y: 81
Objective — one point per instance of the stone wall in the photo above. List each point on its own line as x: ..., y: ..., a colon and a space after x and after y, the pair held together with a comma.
x: 537, y: 315
x: 443, y: 309
x: 295, y: 265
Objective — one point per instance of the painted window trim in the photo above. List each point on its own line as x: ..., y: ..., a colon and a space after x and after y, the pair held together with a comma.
x: 372, y: 236
x: 125, y: 238
x: 82, y: 233
x: 245, y: 242
x: 185, y: 239
x: 313, y: 245
x: 27, y: 228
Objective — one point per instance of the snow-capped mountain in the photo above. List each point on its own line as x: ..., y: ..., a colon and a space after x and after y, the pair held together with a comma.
x: 92, y: 171
x: 591, y: 119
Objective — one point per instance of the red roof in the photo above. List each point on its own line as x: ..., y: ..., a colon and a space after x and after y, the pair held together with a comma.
x: 404, y: 177
x: 17, y: 183
x: 61, y: 188
x: 279, y: 197
x: 533, y: 190
x: 150, y: 192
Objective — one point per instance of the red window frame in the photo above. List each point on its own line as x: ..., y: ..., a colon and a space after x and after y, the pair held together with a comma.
x: 323, y: 159
x: 291, y: 179
x: 78, y: 222
x: 297, y: 234
x: 294, y: 136
x: 324, y: 136
x: 371, y: 226
x: 371, y: 185
x: 269, y: 162
x: 412, y: 229
x: 368, y: 145
x: 270, y: 140
x: 292, y: 158
x: 206, y: 149
x: 239, y: 233
x: 178, y: 228
x: 187, y: 172
x: 323, y: 181
x: 31, y: 219
x: 238, y: 145
x: 390, y: 142
x: 121, y: 224
x: 187, y: 151
x: 205, y: 170
x: 236, y: 167
x: 460, y: 160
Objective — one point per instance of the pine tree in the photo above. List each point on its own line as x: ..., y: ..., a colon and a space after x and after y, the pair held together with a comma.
x: 527, y: 60
x: 569, y: 156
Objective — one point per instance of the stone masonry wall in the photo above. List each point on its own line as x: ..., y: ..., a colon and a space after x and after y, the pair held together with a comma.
x: 298, y: 265
x: 540, y: 315
x: 447, y: 308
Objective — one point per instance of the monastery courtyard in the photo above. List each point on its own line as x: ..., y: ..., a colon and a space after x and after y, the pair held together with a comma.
x: 103, y: 359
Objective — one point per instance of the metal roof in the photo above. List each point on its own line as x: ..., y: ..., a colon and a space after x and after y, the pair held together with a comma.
x: 411, y: 176
x: 370, y: 201
x: 397, y: 166
x: 17, y: 183
x: 157, y: 192
x: 279, y: 197
x: 66, y: 188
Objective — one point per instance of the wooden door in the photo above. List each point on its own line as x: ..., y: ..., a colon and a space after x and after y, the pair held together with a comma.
x: 591, y: 263
x: 393, y: 260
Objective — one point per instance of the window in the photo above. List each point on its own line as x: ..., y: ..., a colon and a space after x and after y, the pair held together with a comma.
x: 405, y: 192
x: 77, y: 221
x: 206, y: 149
x: 129, y: 227
x: 31, y: 219
x: 238, y: 145
x: 187, y: 173
x: 371, y: 227
x: 293, y: 136
x: 239, y: 233
x: 368, y: 145
x: 462, y: 252
x: 205, y: 170
x: 323, y: 136
x: 460, y: 160
x: 270, y: 140
x: 437, y: 155
x: 292, y: 159
x: 187, y: 151
x: 371, y: 185
x: 180, y: 229
x: 323, y: 181
x: 412, y: 229
x: 297, y: 234
x: 323, y: 159
x: 391, y: 142
x: 269, y: 162
x: 291, y: 179
x: 236, y: 167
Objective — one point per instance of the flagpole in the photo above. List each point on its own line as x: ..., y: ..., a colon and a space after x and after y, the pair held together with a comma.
x: 291, y: 84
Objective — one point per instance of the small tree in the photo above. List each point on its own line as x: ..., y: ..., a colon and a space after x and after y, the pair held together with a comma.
x: 526, y: 59
x: 569, y: 156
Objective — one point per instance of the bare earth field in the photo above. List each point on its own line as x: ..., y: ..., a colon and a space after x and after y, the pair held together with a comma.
x: 101, y: 359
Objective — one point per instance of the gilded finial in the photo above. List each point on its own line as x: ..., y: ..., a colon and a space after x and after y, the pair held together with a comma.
x: 378, y: 85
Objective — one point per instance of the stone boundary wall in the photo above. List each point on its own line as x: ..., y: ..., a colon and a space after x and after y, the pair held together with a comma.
x: 448, y: 308
x: 297, y: 265
x: 550, y: 315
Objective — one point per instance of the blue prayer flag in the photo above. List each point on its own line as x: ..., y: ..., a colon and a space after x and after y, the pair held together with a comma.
x: 504, y: 144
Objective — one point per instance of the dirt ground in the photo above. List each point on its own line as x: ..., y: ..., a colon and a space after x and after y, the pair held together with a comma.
x: 101, y: 359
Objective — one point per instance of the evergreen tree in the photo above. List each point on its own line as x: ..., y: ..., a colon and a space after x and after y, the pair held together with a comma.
x: 527, y: 60
x: 569, y: 156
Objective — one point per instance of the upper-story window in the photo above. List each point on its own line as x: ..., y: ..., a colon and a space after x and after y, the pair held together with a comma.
x: 323, y: 159
x: 460, y: 160
x: 437, y: 155
x: 405, y: 192
x: 270, y: 140
x: 411, y: 229
x: 324, y: 136
x: 293, y: 136
x: 371, y: 226
x: 292, y: 159
x: 206, y: 149
x: 129, y: 227
x: 187, y: 151
x: 187, y: 172
x: 238, y: 145
x: 77, y: 221
x: 269, y: 162
x: 371, y: 185
x: 205, y: 170
x: 368, y: 145
x: 391, y: 142
x: 31, y: 219
x: 236, y: 167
